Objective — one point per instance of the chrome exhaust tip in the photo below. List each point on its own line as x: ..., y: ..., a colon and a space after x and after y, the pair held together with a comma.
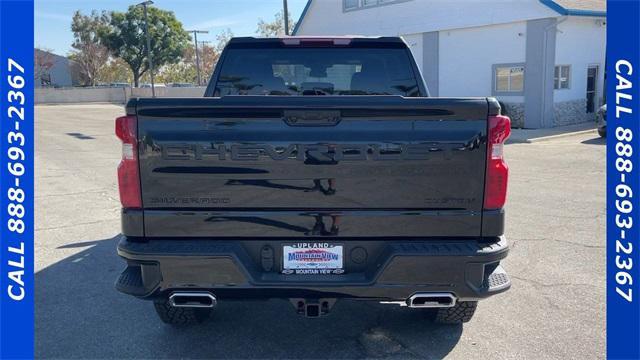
x: 193, y: 299
x: 431, y: 300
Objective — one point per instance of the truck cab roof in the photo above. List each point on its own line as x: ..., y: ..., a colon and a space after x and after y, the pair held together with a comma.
x: 323, y: 41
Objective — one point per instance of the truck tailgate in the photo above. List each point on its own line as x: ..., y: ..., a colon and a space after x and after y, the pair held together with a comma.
x: 368, y: 166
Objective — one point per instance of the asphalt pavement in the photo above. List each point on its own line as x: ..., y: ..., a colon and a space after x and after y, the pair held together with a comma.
x: 555, y: 309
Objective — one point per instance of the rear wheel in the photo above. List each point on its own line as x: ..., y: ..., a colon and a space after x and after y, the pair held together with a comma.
x: 602, y: 132
x: 462, y: 312
x: 179, y: 316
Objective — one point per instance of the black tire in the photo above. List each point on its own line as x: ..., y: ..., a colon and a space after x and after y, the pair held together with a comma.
x: 462, y: 312
x: 181, y: 316
x: 602, y: 132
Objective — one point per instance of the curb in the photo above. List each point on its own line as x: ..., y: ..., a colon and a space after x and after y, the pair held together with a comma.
x: 550, y: 137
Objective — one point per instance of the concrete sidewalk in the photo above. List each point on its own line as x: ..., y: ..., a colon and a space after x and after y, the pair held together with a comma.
x: 535, y: 135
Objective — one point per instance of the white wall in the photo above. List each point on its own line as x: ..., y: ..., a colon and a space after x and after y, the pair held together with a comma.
x: 467, y: 56
x: 169, y: 92
x: 326, y: 17
x: 414, y: 41
x: 580, y: 42
x: 79, y: 95
x: 60, y: 70
x: 108, y: 95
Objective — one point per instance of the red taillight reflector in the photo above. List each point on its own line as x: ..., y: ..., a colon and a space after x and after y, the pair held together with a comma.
x: 128, y: 171
x: 495, y: 193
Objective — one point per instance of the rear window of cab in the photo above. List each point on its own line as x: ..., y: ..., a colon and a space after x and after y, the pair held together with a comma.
x: 317, y: 71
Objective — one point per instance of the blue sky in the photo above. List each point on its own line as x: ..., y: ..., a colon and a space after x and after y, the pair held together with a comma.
x: 53, y: 17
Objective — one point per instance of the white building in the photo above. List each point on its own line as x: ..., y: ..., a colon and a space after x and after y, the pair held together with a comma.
x: 543, y: 59
x: 52, y: 70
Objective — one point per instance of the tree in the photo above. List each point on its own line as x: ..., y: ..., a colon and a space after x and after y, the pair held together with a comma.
x: 274, y: 28
x: 115, y: 71
x: 208, y: 59
x: 208, y: 56
x: 88, y: 52
x: 125, y: 38
x: 222, y: 39
x: 185, y: 70
x: 177, y: 73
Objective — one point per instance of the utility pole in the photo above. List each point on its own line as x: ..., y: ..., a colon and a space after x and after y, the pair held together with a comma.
x: 144, y: 4
x: 286, y: 17
x: 195, y: 40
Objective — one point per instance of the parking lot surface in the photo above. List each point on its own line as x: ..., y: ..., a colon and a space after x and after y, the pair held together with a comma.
x: 555, y: 309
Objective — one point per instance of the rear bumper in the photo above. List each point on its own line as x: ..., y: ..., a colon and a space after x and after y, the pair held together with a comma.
x: 390, y: 270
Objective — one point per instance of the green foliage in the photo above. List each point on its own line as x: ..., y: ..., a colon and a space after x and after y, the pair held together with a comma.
x: 185, y: 71
x: 88, y: 52
x: 115, y: 70
x: 107, y: 43
x: 125, y: 38
x: 86, y: 28
x: 177, y: 73
x: 276, y: 27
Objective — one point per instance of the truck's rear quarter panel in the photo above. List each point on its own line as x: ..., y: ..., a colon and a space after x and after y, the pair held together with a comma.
x: 240, y: 167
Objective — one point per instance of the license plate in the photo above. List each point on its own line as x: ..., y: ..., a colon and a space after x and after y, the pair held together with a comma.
x: 312, y: 258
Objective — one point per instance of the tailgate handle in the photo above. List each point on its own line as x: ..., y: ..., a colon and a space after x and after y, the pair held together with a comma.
x: 311, y: 117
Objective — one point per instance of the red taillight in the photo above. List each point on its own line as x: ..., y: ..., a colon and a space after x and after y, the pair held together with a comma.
x: 128, y: 173
x: 495, y: 192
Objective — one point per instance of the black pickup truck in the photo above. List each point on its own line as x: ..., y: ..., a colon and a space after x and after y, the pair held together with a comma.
x: 313, y: 169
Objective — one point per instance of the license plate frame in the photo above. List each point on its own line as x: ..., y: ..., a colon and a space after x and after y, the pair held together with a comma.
x: 312, y: 258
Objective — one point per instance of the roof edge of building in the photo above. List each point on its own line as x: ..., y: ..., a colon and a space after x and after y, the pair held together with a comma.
x: 572, y: 12
x: 562, y: 11
x: 302, y: 15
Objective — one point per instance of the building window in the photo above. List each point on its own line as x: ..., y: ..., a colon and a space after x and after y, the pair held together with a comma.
x: 45, y: 80
x: 508, y: 78
x: 349, y: 5
x: 562, y: 77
